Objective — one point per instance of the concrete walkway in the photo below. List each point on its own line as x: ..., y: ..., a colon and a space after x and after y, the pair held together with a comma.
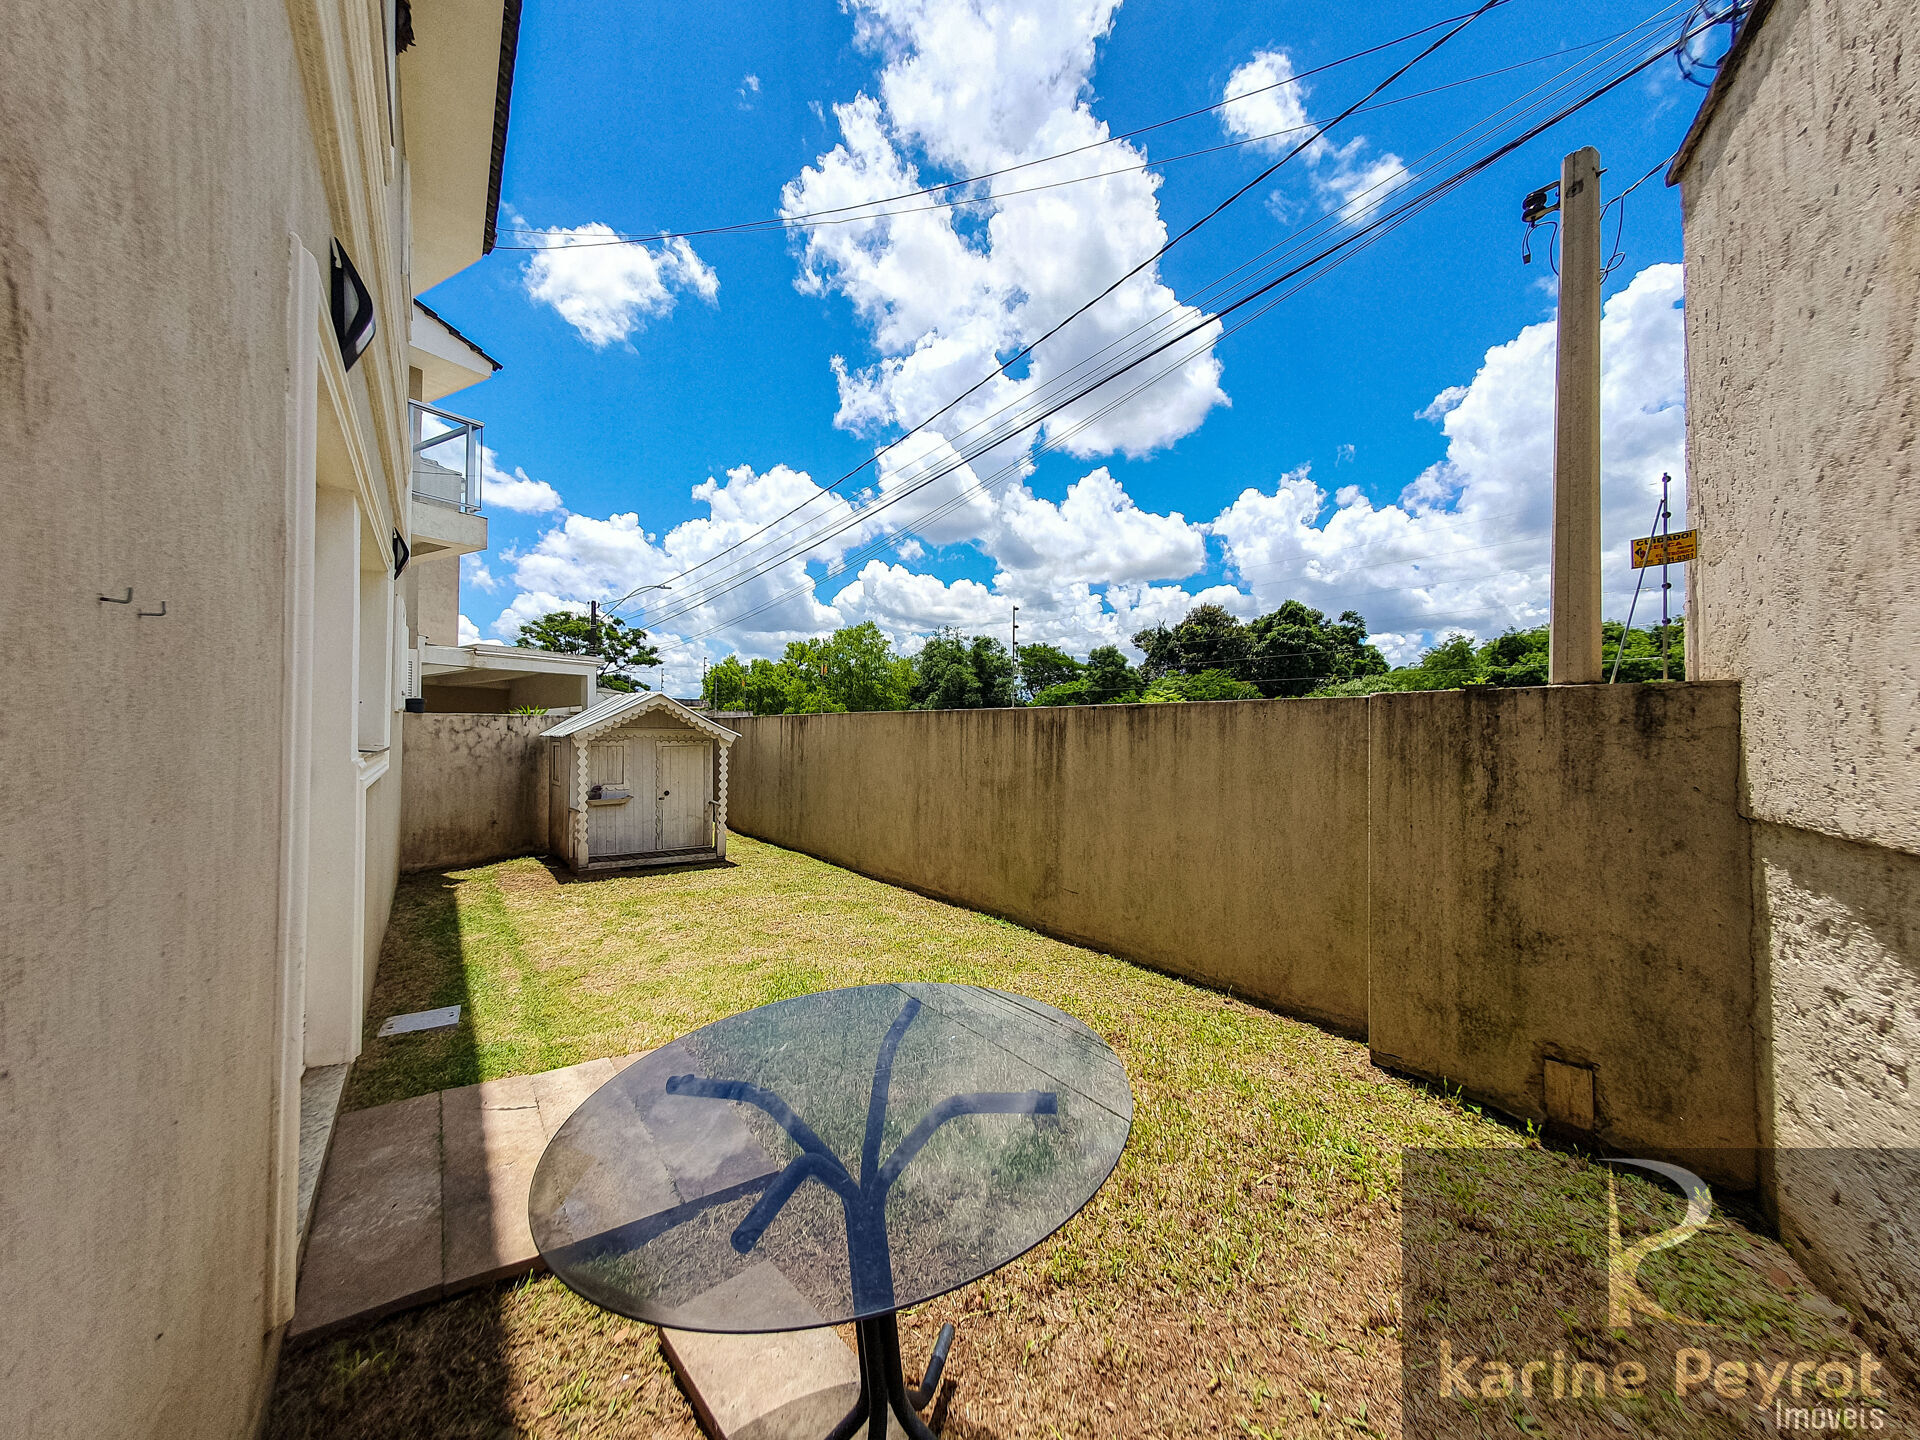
x: 427, y: 1197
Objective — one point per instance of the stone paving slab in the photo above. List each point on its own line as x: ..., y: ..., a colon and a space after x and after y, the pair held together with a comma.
x: 791, y: 1386
x: 427, y: 1197
x: 490, y: 1141
x: 375, y: 1243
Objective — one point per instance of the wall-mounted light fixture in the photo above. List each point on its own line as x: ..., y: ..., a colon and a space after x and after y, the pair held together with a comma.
x: 352, y: 308
x: 401, y: 553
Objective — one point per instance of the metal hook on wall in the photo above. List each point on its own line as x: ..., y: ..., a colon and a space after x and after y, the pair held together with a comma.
x: 126, y: 599
x: 152, y: 614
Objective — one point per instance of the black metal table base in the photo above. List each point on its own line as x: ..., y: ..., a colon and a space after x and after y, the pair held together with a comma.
x: 883, y: 1387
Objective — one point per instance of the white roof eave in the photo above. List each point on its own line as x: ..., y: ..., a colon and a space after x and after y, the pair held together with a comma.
x: 619, y: 708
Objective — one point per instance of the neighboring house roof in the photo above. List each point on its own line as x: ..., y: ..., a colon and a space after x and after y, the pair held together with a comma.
x: 481, y: 662
x: 455, y: 330
x: 1723, y: 78
x: 630, y: 706
x: 502, y: 103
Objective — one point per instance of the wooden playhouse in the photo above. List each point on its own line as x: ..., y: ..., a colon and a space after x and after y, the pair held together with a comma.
x: 638, y: 779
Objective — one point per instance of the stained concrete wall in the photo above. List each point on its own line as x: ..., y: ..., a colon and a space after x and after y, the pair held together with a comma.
x: 155, y: 158
x: 1477, y: 881
x: 1563, y: 874
x: 1802, y: 232
x: 475, y: 789
x: 1226, y: 841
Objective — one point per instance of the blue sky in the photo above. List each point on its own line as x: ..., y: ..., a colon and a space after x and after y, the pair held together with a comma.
x: 661, y: 405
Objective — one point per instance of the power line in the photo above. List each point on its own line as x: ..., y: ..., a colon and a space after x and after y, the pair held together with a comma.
x: 1157, y: 255
x: 783, y: 221
x: 1396, y: 216
x: 738, y: 553
x: 813, y: 220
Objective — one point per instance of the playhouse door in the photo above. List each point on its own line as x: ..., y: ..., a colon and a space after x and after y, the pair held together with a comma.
x: 619, y: 822
x: 685, y: 771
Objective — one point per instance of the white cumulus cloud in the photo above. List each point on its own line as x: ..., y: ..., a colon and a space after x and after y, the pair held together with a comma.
x: 518, y: 492
x: 607, y: 290
x: 968, y: 88
x: 1267, y: 107
x: 1466, y: 545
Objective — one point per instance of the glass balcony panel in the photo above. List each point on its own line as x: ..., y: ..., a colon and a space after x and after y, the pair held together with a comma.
x: 446, y: 457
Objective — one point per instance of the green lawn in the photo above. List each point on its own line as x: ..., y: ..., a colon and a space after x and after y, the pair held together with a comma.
x: 1238, y: 1275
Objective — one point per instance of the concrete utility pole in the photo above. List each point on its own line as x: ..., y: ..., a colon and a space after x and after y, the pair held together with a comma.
x: 1573, y: 643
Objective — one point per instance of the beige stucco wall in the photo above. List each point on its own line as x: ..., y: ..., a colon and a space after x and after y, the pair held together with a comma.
x: 1802, y: 207
x: 435, y: 582
x: 1802, y: 221
x: 475, y: 789
x: 1224, y: 841
x: 386, y: 799
x: 155, y: 158
x: 1477, y: 881
x: 1838, y: 931
x: 1564, y: 873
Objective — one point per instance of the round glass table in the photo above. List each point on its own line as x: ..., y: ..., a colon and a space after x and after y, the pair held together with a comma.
x: 831, y: 1158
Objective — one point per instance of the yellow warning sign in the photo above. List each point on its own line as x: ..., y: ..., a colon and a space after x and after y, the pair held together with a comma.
x: 1675, y: 549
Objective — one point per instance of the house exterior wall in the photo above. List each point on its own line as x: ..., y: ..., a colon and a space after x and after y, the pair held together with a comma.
x: 437, y: 596
x: 201, y: 826
x: 1802, y: 225
x: 143, y: 414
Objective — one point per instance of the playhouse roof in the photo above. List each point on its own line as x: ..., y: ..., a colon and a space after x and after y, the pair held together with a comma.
x: 619, y: 709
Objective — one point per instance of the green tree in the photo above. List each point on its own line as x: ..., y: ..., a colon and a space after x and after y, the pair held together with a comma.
x: 1207, y: 685
x: 953, y: 673
x: 622, y: 648
x: 993, y: 667
x: 1110, y: 679
x: 1641, y: 662
x: 1209, y: 638
x: 725, y: 687
x: 1296, y: 648
x: 943, y: 674
x: 859, y: 671
x: 1044, y: 666
x: 1519, y: 657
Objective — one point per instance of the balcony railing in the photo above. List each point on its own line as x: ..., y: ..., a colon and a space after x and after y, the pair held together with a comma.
x: 446, y: 457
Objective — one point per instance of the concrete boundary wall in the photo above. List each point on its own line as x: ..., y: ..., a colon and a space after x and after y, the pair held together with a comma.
x: 1479, y: 881
x: 475, y: 789
x: 1562, y: 874
x: 1226, y: 842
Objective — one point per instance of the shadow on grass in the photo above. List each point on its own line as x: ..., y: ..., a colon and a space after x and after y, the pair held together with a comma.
x: 564, y: 874
x: 524, y: 1358
x: 422, y: 967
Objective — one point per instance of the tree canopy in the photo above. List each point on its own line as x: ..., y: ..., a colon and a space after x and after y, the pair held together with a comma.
x: 1044, y: 666
x: 622, y: 648
x: 1287, y: 652
x: 1519, y: 657
x: 958, y: 674
x: 1208, y: 655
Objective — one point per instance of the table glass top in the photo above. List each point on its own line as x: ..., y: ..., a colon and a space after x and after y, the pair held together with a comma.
x: 830, y: 1157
